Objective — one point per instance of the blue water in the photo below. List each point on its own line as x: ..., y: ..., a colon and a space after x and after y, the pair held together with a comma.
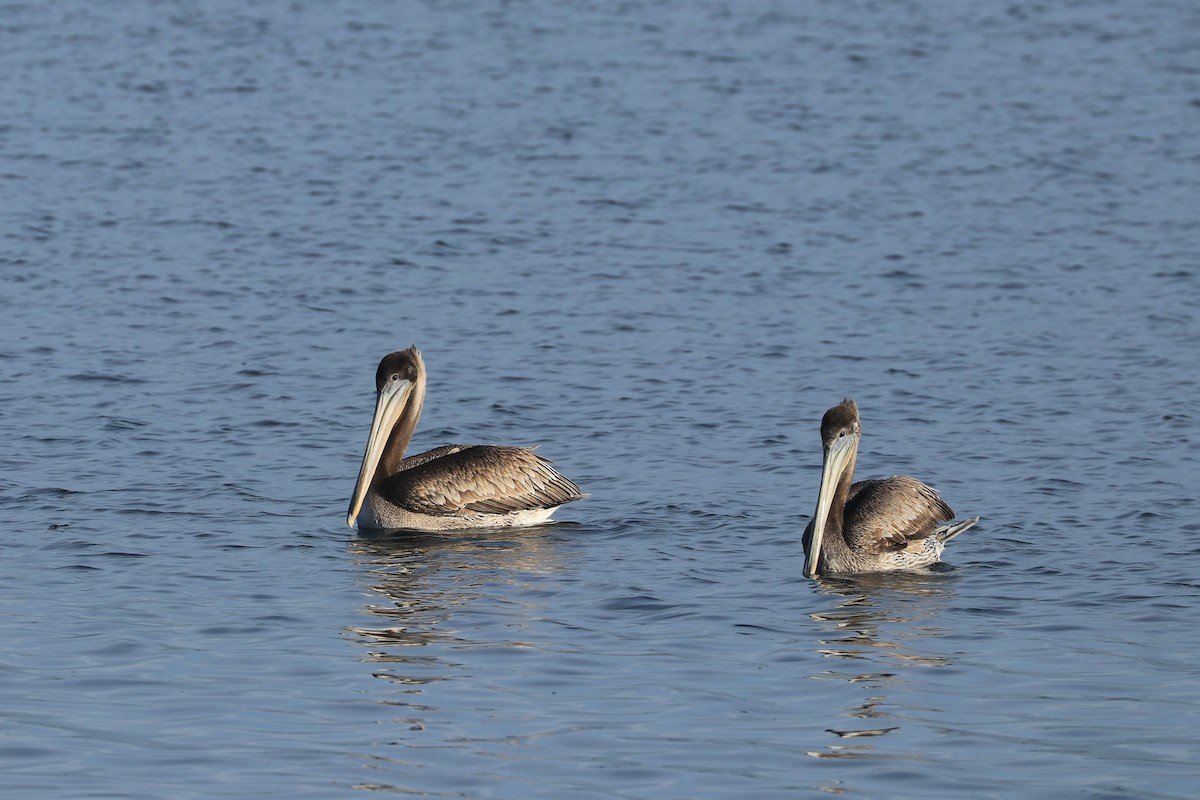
x: 660, y: 240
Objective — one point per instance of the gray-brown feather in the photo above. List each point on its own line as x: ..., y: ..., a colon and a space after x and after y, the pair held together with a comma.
x: 892, y: 514
x: 463, y: 479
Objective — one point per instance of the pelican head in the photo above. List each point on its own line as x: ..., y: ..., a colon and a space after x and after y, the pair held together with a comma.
x: 399, y: 396
x: 839, y: 437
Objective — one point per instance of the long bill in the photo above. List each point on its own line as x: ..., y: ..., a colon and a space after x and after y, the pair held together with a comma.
x: 389, y: 405
x: 837, y: 458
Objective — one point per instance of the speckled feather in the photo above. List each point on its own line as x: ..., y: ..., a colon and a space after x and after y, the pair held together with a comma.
x: 466, y: 480
x: 890, y: 513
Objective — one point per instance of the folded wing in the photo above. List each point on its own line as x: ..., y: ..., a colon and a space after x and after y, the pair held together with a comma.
x: 888, y: 514
x: 465, y: 479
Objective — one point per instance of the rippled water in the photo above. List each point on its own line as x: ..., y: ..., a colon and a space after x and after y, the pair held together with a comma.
x: 660, y: 239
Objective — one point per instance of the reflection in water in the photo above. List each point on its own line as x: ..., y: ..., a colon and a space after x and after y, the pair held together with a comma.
x: 425, y: 578
x: 423, y: 582
x: 882, y: 619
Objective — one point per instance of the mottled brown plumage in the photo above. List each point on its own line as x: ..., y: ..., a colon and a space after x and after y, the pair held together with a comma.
x: 450, y: 487
x: 489, y: 479
x: 873, y: 525
x: 886, y: 514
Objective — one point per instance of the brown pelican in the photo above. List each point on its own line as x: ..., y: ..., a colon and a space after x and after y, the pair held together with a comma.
x: 871, y: 526
x: 453, y: 487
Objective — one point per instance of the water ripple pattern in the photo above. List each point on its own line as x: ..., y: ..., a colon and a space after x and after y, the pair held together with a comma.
x: 659, y: 240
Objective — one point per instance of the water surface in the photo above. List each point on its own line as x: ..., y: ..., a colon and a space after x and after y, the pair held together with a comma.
x: 659, y: 239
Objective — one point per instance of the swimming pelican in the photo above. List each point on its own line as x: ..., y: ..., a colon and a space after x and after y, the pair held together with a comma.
x: 452, y: 487
x: 876, y: 525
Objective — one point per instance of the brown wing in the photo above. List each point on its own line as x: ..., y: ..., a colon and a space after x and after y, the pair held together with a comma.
x: 887, y: 514
x: 459, y: 479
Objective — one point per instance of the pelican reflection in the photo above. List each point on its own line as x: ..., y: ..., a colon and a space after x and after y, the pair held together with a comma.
x: 420, y: 582
x: 881, y: 627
